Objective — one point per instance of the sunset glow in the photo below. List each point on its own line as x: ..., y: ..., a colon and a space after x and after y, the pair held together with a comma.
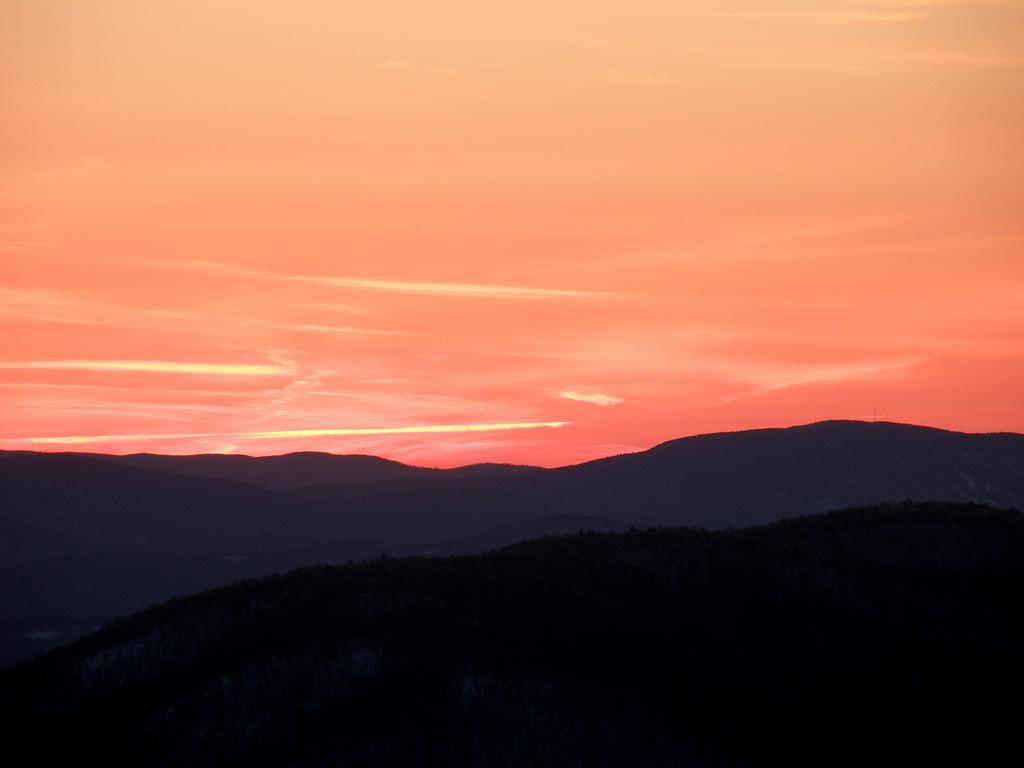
x: 538, y: 231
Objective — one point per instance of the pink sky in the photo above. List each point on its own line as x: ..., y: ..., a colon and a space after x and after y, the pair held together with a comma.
x: 539, y: 232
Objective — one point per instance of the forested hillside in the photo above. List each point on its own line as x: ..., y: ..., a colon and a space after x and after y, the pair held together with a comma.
x: 886, y: 636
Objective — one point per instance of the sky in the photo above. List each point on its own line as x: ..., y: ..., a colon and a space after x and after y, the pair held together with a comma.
x: 533, y: 231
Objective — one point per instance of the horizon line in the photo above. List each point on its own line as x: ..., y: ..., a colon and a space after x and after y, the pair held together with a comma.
x: 491, y: 463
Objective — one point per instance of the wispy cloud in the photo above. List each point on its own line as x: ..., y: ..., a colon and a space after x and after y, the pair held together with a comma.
x: 45, y: 306
x: 94, y: 390
x: 774, y: 376
x: 594, y: 399
x: 149, y: 366
x: 393, y: 64
x: 23, y: 245
x: 830, y: 18
x: 72, y: 308
x: 406, y: 65
x: 173, y: 412
x: 677, y: 360
x: 469, y: 290
x: 343, y: 330
x: 455, y: 290
x: 293, y: 434
x: 842, y: 12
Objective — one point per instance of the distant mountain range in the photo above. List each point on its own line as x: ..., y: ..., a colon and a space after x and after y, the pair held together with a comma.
x: 882, y: 636
x: 84, y: 535
x: 302, y: 470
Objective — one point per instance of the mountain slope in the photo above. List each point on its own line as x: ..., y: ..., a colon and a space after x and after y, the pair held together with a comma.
x: 97, y: 505
x: 888, y: 635
x: 746, y: 478
x: 85, y: 524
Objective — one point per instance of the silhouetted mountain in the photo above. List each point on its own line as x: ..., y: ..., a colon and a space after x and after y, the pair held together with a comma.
x: 93, y: 535
x: 746, y: 478
x: 292, y: 470
x: 95, y: 505
x: 885, y: 636
x: 489, y: 469
x: 304, y: 469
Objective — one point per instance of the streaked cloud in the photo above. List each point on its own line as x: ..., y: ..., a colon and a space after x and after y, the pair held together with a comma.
x: 294, y: 434
x: 394, y: 64
x: 46, y: 306
x: 825, y: 17
x: 594, y: 399
x: 454, y: 290
x: 840, y: 12
x: 774, y: 376
x: 149, y: 366
x: 674, y: 360
x: 94, y: 390
x: 469, y: 290
x: 82, y: 308
x: 23, y: 245
x: 343, y: 330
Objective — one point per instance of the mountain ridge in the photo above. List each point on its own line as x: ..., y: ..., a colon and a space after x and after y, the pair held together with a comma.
x: 79, y: 528
x: 145, y: 456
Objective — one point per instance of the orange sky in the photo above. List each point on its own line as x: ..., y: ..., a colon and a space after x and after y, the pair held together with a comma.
x: 505, y: 230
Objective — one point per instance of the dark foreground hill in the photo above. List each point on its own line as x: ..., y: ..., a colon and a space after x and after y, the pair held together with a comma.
x: 883, y: 636
x: 83, y: 536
